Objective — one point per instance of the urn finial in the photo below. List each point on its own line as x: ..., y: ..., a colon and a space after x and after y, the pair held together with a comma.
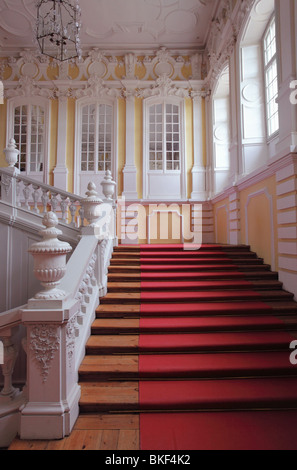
x: 50, y: 259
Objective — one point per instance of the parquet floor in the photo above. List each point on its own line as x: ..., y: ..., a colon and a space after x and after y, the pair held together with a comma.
x: 93, y: 432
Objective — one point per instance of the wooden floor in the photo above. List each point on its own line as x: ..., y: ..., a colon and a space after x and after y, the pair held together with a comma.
x: 93, y: 432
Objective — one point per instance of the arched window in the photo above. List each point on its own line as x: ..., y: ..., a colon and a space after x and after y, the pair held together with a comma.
x: 28, y: 123
x: 164, y: 152
x: 96, y: 143
x: 258, y: 87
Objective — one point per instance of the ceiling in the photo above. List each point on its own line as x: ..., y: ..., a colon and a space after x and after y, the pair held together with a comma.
x: 117, y: 25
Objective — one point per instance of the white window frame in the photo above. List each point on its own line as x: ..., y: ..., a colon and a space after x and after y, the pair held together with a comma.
x: 80, y: 104
x: 16, y: 102
x: 148, y: 102
x: 266, y: 67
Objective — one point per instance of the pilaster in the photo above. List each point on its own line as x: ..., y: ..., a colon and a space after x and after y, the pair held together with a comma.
x: 286, y: 179
x: 130, y: 171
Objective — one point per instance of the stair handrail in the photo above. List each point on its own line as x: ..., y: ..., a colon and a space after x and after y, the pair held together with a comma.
x: 32, y: 196
x: 53, y: 189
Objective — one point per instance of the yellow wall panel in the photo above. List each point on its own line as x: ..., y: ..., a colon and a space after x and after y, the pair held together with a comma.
x: 221, y: 217
x: 259, y: 219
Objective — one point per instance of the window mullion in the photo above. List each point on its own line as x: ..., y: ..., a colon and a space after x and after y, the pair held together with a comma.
x: 29, y: 128
x: 96, y: 139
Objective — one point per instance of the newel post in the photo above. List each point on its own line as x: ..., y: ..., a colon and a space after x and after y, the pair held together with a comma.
x: 52, y: 390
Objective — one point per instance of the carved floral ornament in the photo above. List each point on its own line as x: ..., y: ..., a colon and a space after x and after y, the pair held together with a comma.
x: 44, y: 342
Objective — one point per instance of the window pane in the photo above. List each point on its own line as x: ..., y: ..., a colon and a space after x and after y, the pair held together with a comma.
x: 105, y: 137
x: 271, y: 78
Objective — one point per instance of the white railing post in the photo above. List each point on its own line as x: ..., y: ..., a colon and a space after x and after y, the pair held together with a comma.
x: 52, y: 389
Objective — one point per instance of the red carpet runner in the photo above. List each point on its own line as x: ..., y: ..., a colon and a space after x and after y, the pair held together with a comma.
x: 214, y: 363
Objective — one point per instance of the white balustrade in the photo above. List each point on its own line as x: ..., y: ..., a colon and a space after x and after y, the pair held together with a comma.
x: 58, y: 319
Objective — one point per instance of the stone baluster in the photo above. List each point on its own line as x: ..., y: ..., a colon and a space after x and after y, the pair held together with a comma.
x: 45, y: 199
x: 36, y: 197
x: 10, y: 356
x: 72, y: 209
x: 82, y: 216
x: 27, y: 194
x: 54, y: 202
x: 18, y: 193
x: 64, y: 207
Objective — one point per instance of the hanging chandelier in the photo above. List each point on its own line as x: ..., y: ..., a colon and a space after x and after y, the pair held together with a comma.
x: 58, y: 27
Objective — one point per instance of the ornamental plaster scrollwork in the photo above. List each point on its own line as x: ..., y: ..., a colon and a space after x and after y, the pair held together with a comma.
x: 163, y: 86
x: 96, y: 88
x: 44, y: 342
x: 28, y: 87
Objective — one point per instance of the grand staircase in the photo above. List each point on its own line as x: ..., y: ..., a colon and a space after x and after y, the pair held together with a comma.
x: 193, y: 332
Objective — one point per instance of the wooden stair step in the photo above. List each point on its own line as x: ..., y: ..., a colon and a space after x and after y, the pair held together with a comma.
x: 135, y: 297
x: 116, y: 325
x: 108, y: 396
x: 191, y: 285
x: 169, y: 276
x: 123, y: 367
x: 120, y: 310
x: 126, y: 326
x: 186, y: 366
x: 165, y: 247
x: 184, y: 254
x: 167, y: 261
x: 115, y: 269
x: 189, y: 343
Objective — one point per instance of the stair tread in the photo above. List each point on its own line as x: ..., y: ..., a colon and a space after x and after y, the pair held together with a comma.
x: 192, y: 296
x: 232, y: 393
x: 137, y: 277
x: 109, y: 393
x: 185, y: 285
x: 215, y: 341
x: 189, y: 324
x: 183, y: 268
x: 208, y: 365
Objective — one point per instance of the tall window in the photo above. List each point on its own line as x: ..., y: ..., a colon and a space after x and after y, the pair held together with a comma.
x: 29, y: 134
x: 164, y: 138
x: 271, y: 78
x: 96, y: 138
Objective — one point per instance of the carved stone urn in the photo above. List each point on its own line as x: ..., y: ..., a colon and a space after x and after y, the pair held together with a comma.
x: 50, y: 259
x: 91, y: 205
x: 108, y: 186
x: 11, y: 153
